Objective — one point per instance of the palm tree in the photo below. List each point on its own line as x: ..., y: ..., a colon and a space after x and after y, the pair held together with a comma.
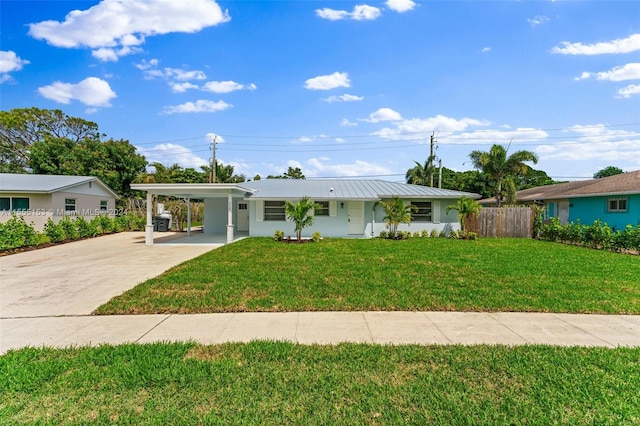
x: 421, y: 174
x: 498, y: 166
x: 396, y: 212
x: 465, y: 207
x: 299, y: 213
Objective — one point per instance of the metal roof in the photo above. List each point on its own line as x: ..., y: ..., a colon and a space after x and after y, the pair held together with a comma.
x: 344, y: 189
x: 44, y: 184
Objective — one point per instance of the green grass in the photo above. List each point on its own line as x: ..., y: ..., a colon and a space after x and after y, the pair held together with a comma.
x: 258, y: 274
x: 284, y: 383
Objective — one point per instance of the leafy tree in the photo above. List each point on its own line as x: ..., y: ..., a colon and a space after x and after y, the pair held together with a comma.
x: 22, y: 127
x: 499, y: 167
x: 115, y: 162
x: 465, y: 208
x: 291, y: 173
x: 473, y: 181
x: 420, y: 174
x: 608, y: 171
x: 224, y: 173
x: 257, y: 177
x: 396, y: 212
x: 300, y: 214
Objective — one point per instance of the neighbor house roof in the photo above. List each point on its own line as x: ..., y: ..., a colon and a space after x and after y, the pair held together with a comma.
x: 622, y: 184
x: 344, y: 189
x: 44, y: 184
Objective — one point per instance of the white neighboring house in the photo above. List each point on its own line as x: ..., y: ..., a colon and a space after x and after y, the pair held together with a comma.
x: 349, y: 207
x: 40, y: 197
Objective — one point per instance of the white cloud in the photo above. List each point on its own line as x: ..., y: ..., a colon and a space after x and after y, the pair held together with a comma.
x: 115, y: 28
x: 169, y: 154
x: 328, y: 82
x: 210, y: 137
x: 343, y: 98
x: 486, y: 49
x: 197, y: 106
x: 91, y: 91
x: 623, y: 45
x: 306, y: 139
x: 383, y: 114
x: 400, y: 6
x: 418, y: 128
x: 182, y: 87
x: 346, y: 122
x: 537, y: 20
x: 361, y: 12
x: 318, y: 167
x: 630, y: 90
x: 145, y: 65
x: 226, y: 86
x: 10, y: 62
x: 622, y: 73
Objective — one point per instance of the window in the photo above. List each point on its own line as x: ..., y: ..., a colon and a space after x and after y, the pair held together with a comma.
x: 243, y: 206
x: 5, y: 203
x: 423, y: 214
x: 19, y: 203
x: 69, y: 205
x: 103, y: 205
x: 617, y: 205
x: 323, y: 209
x: 274, y: 210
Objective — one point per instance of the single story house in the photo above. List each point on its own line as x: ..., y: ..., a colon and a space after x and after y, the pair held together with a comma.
x: 40, y: 197
x: 349, y: 207
x: 614, y: 200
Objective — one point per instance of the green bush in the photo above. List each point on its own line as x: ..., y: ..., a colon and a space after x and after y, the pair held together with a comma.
x: 598, y: 235
x: 16, y: 232
x: 54, y: 231
x: 316, y: 237
x: 278, y: 235
x: 424, y: 233
x: 104, y: 224
x: 84, y: 228
x: 70, y: 231
x: 416, y: 234
x: 383, y: 234
x: 433, y: 233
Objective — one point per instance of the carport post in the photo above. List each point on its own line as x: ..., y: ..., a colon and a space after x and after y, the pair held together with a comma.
x: 148, y: 229
x: 188, y: 217
x: 229, y: 218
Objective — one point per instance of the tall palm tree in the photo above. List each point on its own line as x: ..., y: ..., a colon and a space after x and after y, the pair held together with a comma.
x: 299, y: 213
x: 396, y: 212
x: 499, y: 167
x: 421, y: 174
x: 465, y: 207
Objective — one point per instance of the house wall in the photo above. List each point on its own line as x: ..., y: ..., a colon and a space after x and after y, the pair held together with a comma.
x: 337, y: 226
x: 587, y: 210
x: 45, y: 206
x: 215, y: 215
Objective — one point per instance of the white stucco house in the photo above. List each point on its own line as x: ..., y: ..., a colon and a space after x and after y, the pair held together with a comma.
x: 349, y: 206
x: 40, y: 197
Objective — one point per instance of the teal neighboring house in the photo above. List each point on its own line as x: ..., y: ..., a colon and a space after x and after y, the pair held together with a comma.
x: 614, y: 200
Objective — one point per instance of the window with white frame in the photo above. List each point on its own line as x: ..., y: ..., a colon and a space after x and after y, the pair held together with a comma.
x: 322, y: 208
x: 274, y: 211
x: 617, y: 205
x: 423, y: 212
x: 103, y: 205
x: 70, y: 205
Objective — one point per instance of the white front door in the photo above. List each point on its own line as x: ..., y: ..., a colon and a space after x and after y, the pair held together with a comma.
x: 355, y: 216
x: 563, y: 212
x: 242, y: 216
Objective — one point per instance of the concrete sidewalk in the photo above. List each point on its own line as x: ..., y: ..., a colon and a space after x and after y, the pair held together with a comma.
x: 327, y: 328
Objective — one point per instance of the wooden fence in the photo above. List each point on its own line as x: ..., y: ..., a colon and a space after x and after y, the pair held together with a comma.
x: 503, y: 222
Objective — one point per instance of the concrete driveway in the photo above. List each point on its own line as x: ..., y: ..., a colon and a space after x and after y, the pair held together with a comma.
x: 75, y: 278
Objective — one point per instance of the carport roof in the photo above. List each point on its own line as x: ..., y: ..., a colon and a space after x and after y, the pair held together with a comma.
x: 319, y: 189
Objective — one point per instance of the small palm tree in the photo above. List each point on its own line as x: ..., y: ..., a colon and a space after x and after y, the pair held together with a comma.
x: 465, y: 207
x: 396, y: 212
x: 299, y: 214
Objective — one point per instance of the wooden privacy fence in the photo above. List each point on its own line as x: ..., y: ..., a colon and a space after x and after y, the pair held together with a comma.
x: 503, y: 222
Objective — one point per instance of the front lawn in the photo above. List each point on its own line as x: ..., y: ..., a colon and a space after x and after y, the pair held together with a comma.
x: 523, y: 275
x: 284, y: 383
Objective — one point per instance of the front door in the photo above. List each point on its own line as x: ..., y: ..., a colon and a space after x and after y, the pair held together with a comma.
x: 563, y: 212
x: 242, y: 216
x: 355, y: 217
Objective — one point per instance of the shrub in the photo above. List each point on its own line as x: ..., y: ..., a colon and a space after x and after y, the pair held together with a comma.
x: 17, y: 233
x: 316, y: 237
x: 383, y: 234
x: 433, y: 233
x: 84, y: 228
x: 416, y: 234
x: 104, y: 224
x: 403, y: 235
x: 442, y: 234
x: 54, y: 231
x: 70, y: 231
x: 454, y: 235
x: 598, y: 235
x: 278, y: 235
x: 424, y: 233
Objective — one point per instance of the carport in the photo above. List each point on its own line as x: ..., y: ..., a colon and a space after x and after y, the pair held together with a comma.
x: 189, y: 191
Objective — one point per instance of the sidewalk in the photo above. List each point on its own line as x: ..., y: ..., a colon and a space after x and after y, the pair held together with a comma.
x: 465, y: 328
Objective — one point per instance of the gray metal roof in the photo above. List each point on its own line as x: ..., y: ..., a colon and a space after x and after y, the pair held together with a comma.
x: 344, y: 189
x: 44, y: 184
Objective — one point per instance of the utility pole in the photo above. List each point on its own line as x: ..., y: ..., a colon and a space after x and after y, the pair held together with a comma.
x: 431, y: 160
x: 440, y: 173
x: 212, y: 174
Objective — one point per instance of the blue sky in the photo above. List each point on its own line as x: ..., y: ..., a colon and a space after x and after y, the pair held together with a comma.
x: 336, y: 88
